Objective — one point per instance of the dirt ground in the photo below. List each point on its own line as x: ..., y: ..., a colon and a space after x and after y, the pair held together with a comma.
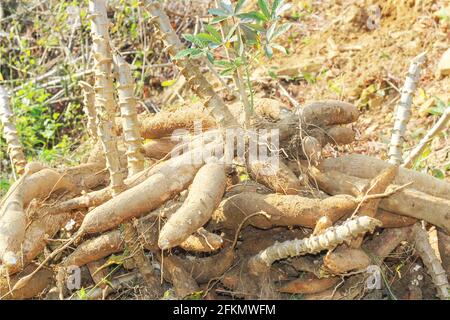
x: 341, y: 51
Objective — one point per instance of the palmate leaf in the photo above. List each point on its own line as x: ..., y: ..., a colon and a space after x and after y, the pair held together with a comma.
x: 239, y: 5
x: 279, y: 48
x: 254, y: 15
x: 218, y: 12
x: 275, y: 6
x: 218, y: 19
x: 268, y: 51
x: 183, y: 53
x: 213, y: 32
x: 195, y: 40
x: 262, y: 4
x: 226, y: 5
x: 207, y: 38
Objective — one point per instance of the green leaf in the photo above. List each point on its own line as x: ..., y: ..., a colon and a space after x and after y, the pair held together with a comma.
x: 210, y: 56
x: 262, y: 4
x: 275, y: 6
x: 183, y: 53
x: 268, y: 51
x: 206, y: 37
x: 194, y: 296
x: 195, y: 40
x: 223, y: 63
x: 438, y: 174
x: 196, y: 53
x: 254, y: 27
x: 254, y: 15
x: 226, y: 5
x: 218, y: 12
x: 231, y: 32
x: 282, y: 8
x: 168, y: 83
x: 218, y: 19
x: 239, y: 5
x: 82, y: 295
x: 214, y: 33
x: 285, y: 27
x: 270, y: 32
x: 227, y: 71
x: 279, y: 48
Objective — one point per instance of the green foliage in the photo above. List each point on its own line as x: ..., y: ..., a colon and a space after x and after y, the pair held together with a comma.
x: 245, y: 31
x: 243, y: 36
x: 43, y: 130
x: 194, y: 296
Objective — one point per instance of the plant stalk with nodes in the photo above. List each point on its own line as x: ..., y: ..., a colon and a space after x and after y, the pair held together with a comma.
x: 135, y: 160
x: 191, y: 72
x: 403, y: 112
x: 329, y: 239
x: 10, y: 133
x: 130, y: 124
x: 89, y: 107
x: 105, y: 103
x: 432, y: 263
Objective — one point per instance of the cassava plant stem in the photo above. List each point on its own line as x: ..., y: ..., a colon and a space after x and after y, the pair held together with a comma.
x: 403, y: 112
x: 10, y: 133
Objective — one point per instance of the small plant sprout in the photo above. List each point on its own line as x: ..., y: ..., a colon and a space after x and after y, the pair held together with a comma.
x: 239, y: 38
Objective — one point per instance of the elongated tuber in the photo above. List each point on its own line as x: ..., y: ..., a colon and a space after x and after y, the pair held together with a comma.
x: 329, y: 112
x: 197, y: 208
x: 407, y: 202
x: 284, y: 210
x: 278, y: 178
x: 13, y: 218
x: 366, y: 167
x: 40, y: 281
x: 309, y: 285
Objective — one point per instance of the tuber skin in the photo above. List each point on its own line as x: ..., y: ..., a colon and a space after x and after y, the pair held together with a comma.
x: 205, y: 269
x: 134, y: 202
x: 158, y: 148
x: 407, y: 202
x: 41, y: 280
x: 329, y: 112
x: 282, y: 181
x: 366, y: 167
x: 344, y: 259
x: 444, y: 250
x: 309, y: 285
x: 164, y: 123
x: 13, y: 218
x: 174, y: 272
x: 197, y: 208
x: 285, y: 210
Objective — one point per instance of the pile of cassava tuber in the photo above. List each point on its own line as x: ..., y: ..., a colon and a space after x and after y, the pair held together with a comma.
x: 145, y: 213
